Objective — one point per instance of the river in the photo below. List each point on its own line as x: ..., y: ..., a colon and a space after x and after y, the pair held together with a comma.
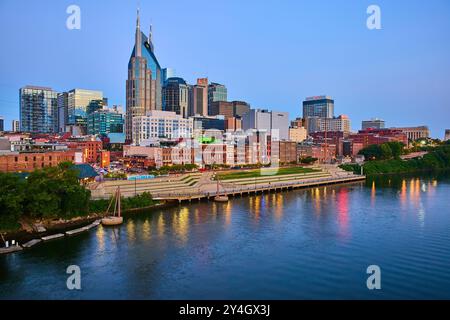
x: 304, y: 244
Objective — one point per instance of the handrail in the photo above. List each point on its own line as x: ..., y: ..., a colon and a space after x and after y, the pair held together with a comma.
x: 255, y: 188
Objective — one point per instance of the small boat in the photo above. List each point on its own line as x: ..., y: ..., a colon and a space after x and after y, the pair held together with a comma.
x: 116, y: 218
x: 221, y: 198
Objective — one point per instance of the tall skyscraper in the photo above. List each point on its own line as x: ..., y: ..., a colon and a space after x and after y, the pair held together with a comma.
x: 176, y: 96
x: 15, y: 126
x: 38, y: 109
x: 2, y: 124
x: 198, y: 98
x: 144, y: 84
x: 216, y: 92
x: 320, y: 106
x: 63, y: 108
x: 373, y: 123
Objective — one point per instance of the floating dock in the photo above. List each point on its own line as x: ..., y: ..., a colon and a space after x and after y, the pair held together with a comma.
x: 76, y: 231
x: 31, y: 243
x: 53, y: 237
x: 11, y: 249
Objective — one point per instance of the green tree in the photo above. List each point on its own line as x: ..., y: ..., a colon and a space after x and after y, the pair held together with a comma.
x: 11, y: 199
x: 386, y: 152
x: 55, y: 192
x: 397, y: 148
x: 371, y: 152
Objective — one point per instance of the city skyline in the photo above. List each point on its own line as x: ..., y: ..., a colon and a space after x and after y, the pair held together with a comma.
x: 412, y: 76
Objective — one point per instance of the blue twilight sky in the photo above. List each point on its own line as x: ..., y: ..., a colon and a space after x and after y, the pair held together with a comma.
x: 271, y: 53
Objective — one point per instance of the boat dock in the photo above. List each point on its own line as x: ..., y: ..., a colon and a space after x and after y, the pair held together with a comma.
x: 31, y: 243
x: 53, y: 237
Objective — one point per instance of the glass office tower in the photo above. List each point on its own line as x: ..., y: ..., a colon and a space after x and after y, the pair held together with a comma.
x: 144, y: 83
x: 105, y: 122
x: 321, y: 106
x: 176, y: 96
x: 216, y: 92
x: 38, y: 109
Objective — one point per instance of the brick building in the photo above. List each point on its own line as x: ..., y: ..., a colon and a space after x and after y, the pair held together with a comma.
x: 29, y: 161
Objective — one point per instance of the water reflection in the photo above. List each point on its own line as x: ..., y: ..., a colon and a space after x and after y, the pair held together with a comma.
x: 146, y: 230
x: 131, y: 231
x: 100, y: 234
x: 317, y: 201
x: 180, y: 224
x: 343, y: 209
x: 373, y: 194
x: 278, y: 206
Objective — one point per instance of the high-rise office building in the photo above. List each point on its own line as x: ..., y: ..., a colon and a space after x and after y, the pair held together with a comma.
x: 105, y: 121
x: 234, y: 109
x: 209, y: 122
x: 161, y: 124
x: 240, y: 108
x: 274, y: 123
x: 176, y: 96
x: 320, y: 106
x: 2, y: 124
x: 257, y: 119
x: 373, y: 123
x: 144, y: 84
x: 38, y: 109
x: 15, y: 126
x: 318, y: 124
x: 216, y: 92
x: 80, y: 103
x: 280, y: 124
x: 223, y: 108
x: 63, y: 111
x: 198, y: 98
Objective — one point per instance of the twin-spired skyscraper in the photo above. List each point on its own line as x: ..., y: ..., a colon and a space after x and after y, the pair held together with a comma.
x: 144, y: 84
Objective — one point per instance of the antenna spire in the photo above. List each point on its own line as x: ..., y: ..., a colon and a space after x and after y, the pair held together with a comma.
x: 138, y: 50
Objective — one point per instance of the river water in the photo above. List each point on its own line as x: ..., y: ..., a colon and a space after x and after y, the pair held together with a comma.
x: 305, y: 244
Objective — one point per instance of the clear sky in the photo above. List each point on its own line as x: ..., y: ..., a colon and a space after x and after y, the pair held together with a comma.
x: 271, y: 53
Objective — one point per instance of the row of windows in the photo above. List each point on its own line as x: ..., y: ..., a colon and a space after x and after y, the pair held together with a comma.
x: 50, y: 158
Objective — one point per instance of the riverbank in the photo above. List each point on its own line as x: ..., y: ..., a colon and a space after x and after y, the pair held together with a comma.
x: 437, y: 159
x: 52, y: 227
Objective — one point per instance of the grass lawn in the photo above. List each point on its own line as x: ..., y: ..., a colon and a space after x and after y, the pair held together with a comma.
x: 269, y: 171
